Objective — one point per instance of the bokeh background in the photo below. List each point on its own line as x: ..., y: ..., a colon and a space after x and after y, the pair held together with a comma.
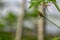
x: 9, y: 13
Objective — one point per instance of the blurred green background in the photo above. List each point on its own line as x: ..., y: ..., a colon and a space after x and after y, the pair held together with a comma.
x: 9, y: 11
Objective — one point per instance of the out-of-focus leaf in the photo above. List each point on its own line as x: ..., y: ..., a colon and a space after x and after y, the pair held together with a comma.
x: 39, y: 2
x: 30, y: 15
x: 11, y: 19
x: 6, y: 36
x: 1, y: 25
x: 55, y: 38
x: 34, y: 3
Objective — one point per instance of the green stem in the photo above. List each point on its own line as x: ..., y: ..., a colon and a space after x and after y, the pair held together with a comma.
x: 56, y: 6
x: 51, y: 22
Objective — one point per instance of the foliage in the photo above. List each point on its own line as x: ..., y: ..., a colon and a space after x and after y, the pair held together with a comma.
x: 30, y: 15
x: 1, y: 25
x: 9, y: 20
x: 37, y: 3
x: 51, y: 37
x: 56, y: 38
x: 5, y: 36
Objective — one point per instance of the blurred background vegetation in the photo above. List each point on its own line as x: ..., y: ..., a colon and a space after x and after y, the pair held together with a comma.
x: 8, y: 23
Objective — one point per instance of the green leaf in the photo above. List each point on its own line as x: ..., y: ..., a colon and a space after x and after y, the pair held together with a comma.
x: 11, y: 17
x: 1, y: 25
x: 34, y: 3
x: 31, y: 5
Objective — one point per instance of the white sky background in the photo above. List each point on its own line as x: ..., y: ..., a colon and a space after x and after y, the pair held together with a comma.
x: 14, y: 5
x: 54, y: 16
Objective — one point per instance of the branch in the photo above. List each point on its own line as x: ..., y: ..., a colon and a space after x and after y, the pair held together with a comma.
x: 55, y: 3
x: 40, y: 14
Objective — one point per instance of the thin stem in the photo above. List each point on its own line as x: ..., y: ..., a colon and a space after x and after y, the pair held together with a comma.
x: 52, y: 22
x: 56, y: 6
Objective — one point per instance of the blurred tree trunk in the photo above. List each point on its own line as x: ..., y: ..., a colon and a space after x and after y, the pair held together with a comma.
x: 20, y: 22
x: 40, y: 24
